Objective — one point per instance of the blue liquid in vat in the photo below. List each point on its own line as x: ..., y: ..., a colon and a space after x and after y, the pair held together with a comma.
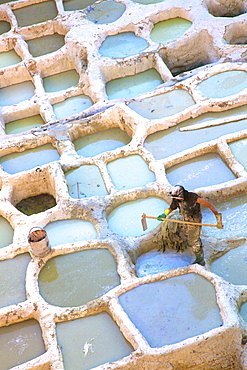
x: 130, y: 86
x: 9, y: 58
x: 20, y: 343
x: 72, y: 105
x: 23, y: 161
x: 125, y: 219
x: 6, y: 233
x: 169, y: 30
x: 13, y: 279
x: 200, y: 171
x: 234, y: 214
x: 122, y: 45
x: 24, y: 124
x: 70, y: 231
x: 35, y: 13
x: 91, y: 341
x: 106, y: 12
x: 223, y: 84
x: 102, y: 141
x: 77, y: 278
x: 130, y: 172
x: 243, y: 311
x: 163, y: 105
x: 167, y: 303
x: 239, y: 149
x: 16, y: 93
x: 61, y: 81
x: 85, y: 181
x: 232, y: 266
x: 164, y: 143
x: 45, y: 44
x: 154, y: 262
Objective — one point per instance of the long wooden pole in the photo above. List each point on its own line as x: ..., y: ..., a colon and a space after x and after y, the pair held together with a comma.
x: 178, y: 221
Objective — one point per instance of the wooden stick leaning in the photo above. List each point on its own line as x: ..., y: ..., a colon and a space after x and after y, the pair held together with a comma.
x: 144, y: 224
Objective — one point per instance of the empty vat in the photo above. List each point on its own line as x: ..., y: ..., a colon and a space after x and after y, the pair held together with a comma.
x: 69, y: 231
x: 6, y: 233
x: 72, y: 105
x: 232, y: 265
x: 30, y: 158
x: 77, y: 278
x: 20, y: 343
x: 13, y: 280
x: 130, y: 86
x: 85, y: 181
x: 125, y: 219
x: 35, y: 13
x: 23, y: 124
x: 239, y: 149
x: 105, y: 12
x: 36, y: 204
x: 200, y: 171
x: 130, y: 172
x: 169, y: 30
x: 163, y: 105
x: 154, y: 262
x: 45, y: 44
x: 16, y: 93
x: 102, y: 141
x: 122, y: 45
x: 223, y: 84
x: 91, y: 341
x: 9, y: 58
x: 167, y: 303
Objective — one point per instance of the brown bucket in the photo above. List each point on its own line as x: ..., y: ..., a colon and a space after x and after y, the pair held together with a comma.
x: 39, y: 242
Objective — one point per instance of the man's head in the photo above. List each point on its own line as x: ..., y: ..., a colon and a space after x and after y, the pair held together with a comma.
x: 178, y: 192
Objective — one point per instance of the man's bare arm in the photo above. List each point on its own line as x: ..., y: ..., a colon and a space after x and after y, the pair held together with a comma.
x: 207, y: 204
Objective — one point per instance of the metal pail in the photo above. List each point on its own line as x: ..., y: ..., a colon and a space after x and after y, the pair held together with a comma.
x: 38, y: 241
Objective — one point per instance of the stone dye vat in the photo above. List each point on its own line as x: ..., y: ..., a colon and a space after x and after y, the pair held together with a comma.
x: 69, y: 231
x: 20, y: 343
x: 15, y: 94
x: 91, y: 341
x: 130, y: 86
x: 28, y: 159
x: 24, y: 124
x: 13, y: 276
x: 9, y: 58
x: 77, y: 278
x: 155, y: 261
x: 122, y: 45
x: 169, y: 30
x: 45, y: 45
x: 130, y: 172
x: 172, y: 300
x: 103, y: 107
x: 85, y: 181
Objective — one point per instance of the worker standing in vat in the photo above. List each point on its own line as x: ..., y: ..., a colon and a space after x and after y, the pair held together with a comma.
x: 189, y: 205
